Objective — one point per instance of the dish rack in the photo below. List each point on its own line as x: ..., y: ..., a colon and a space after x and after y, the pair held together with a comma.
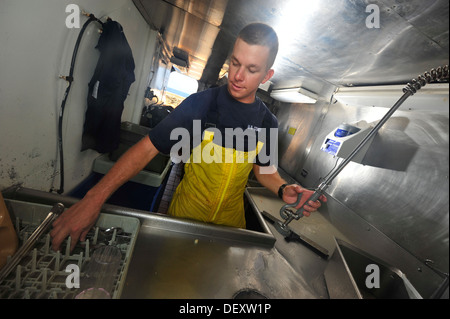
x: 41, y: 273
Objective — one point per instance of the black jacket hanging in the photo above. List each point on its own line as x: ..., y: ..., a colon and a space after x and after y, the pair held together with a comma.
x: 108, y: 90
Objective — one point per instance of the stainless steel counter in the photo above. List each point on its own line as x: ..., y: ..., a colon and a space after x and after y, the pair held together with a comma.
x: 208, y: 261
x: 176, y: 258
x: 185, y: 259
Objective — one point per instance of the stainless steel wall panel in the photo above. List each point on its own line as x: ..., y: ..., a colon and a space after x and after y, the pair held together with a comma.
x: 402, y: 186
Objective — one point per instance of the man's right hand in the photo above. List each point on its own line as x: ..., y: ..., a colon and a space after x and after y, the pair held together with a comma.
x: 80, y: 218
x: 75, y: 222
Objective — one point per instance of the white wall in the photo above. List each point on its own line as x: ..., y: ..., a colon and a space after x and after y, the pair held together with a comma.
x: 35, y: 48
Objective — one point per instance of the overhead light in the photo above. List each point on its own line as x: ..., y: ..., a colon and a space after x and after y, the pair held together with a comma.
x: 294, y: 95
x: 433, y: 96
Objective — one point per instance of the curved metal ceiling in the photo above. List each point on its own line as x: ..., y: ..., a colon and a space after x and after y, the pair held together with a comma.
x: 322, y: 42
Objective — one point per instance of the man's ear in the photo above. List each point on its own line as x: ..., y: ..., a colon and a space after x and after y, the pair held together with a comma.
x: 268, y: 76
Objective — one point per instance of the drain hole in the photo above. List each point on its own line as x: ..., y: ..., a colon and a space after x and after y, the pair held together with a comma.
x: 248, y: 294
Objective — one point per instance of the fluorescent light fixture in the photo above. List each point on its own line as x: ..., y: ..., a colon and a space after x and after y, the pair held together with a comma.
x: 432, y: 97
x: 294, y: 95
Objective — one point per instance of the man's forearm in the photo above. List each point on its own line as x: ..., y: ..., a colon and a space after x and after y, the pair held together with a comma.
x: 128, y: 165
x: 270, y: 181
x: 78, y: 219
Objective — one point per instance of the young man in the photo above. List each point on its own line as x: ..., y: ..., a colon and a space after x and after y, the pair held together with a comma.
x: 217, y: 168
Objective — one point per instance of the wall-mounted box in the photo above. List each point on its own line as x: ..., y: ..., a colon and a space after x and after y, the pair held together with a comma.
x: 344, y: 139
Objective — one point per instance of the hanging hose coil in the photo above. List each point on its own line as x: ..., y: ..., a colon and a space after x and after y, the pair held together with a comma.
x: 69, y: 79
x: 434, y: 75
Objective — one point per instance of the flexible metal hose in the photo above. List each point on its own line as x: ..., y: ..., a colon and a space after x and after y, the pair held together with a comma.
x: 434, y: 75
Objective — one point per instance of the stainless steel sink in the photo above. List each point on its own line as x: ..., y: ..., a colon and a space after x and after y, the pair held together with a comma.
x: 185, y: 259
x: 153, y: 173
x: 178, y: 258
x: 352, y: 273
x: 181, y: 259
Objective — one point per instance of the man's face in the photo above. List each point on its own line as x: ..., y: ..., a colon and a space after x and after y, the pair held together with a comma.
x: 248, y: 69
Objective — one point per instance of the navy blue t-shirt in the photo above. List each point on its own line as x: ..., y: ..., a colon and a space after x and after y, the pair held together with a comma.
x: 216, y: 109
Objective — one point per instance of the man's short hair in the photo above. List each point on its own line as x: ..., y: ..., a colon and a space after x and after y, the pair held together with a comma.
x: 261, y: 34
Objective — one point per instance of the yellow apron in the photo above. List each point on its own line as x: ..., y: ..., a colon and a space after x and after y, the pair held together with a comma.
x: 213, y: 185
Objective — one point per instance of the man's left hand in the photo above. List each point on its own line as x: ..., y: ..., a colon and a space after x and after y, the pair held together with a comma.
x: 291, y: 193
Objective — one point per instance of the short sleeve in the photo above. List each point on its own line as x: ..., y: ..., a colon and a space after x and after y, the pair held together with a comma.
x: 181, y: 118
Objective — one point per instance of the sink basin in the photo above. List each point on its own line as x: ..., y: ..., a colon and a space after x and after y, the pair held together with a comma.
x: 153, y: 174
x: 157, y: 165
x: 352, y: 273
x: 103, y: 164
x: 185, y: 259
x: 249, y: 294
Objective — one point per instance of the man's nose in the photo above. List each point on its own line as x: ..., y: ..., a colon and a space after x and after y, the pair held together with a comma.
x: 239, y: 76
